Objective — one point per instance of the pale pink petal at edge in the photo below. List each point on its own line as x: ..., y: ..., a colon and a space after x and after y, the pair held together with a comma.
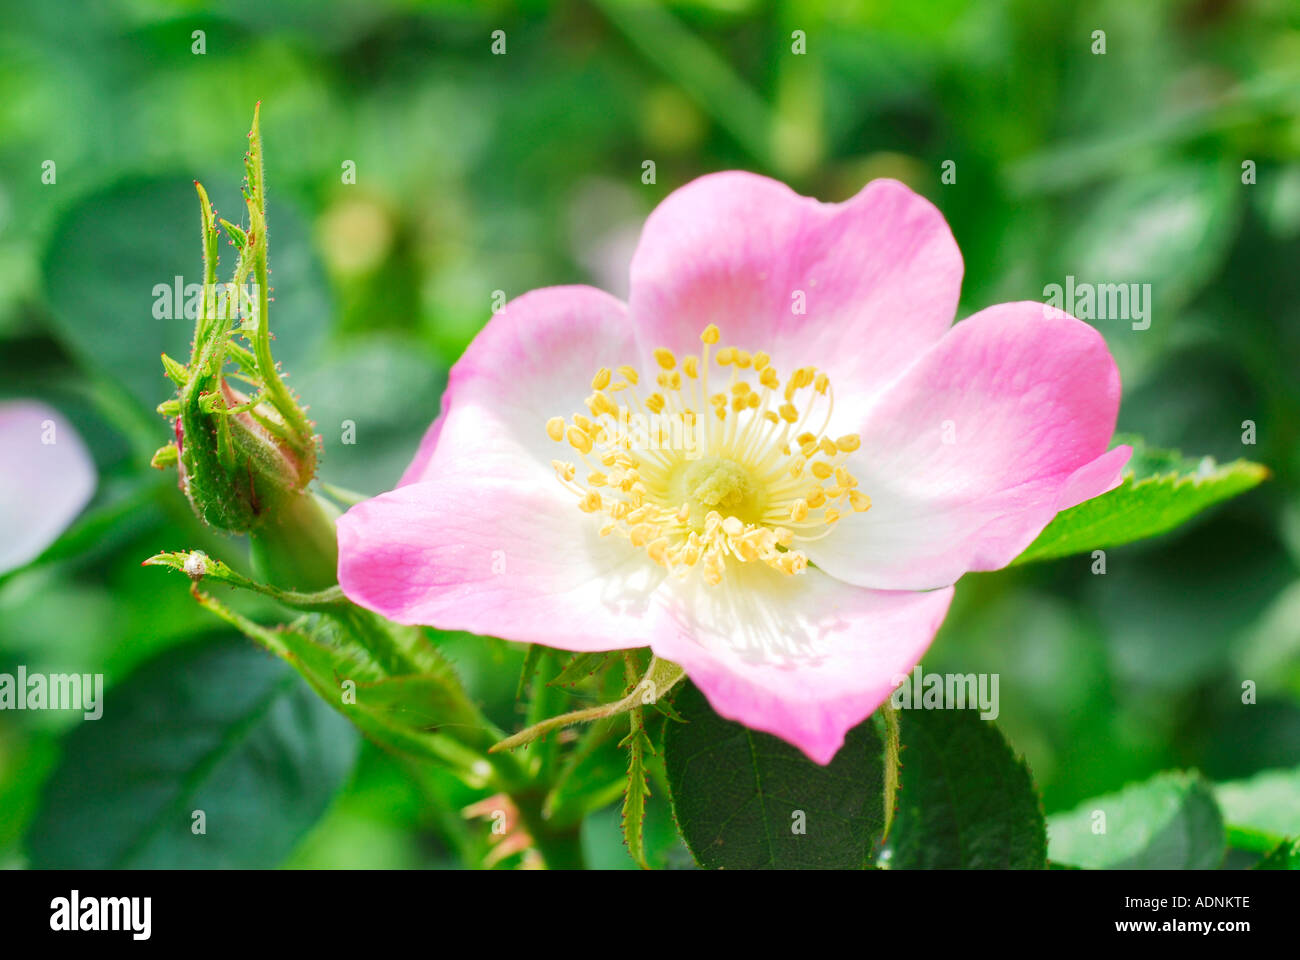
x: 859, y: 289
x: 975, y: 449
x: 48, y: 477
x: 805, y: 658
x: 533, y: 360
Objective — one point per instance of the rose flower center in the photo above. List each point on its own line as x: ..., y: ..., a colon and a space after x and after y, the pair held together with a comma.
x: 702, y: 480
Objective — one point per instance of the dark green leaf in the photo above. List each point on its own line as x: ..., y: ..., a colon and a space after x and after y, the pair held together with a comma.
x: 966, y: 801
x: 746, y: 800
x: 225, y: 729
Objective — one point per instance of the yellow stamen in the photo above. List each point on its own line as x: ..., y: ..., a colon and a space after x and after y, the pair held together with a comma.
x: 706, y: 493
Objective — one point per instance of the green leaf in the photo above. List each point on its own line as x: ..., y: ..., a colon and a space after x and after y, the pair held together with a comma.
x: 746, y: 800
x: 966, y: 801
x: 1268, y: 802
x: 1169, y: 822
x: 1161, y: 490
x: 582, y: 666
x: 220, y: 728
x: 387, y: 678
x: 1285, y: 856
x: 893, y: 761
x: 633, y: 820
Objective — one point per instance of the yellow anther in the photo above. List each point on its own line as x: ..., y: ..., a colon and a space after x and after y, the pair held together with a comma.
x: 739, y: 403
x: 599, y: 404
x: 816, y: 497
x: 821, y: 470
x: 859, y: 501
x: 832, y: 514
x: 691, y: 365
x: 590, y: 503
x: 711, y: 334
x: 683, y: 513
x: 827, y: 446
x: 629, y: 374
x: 743, y: 359
x: 821, y: 383
x: 796, y: 467
x: 670, y: 380
x: 740, y: 388
x: 761, y: 360
x: 732, y: 526
x: 718, y: 399
x: 771, y: 416
x: 555, y: 428
x: 844, y: 478
x: 769, y: 379
x: 664, y: 357
x: 642, y: 533
x: 601, y: 380
x: 579, y: 440
x: 658, y: 551
x: 565, y: 471
x: 849, y: 442
x: 655, y: 403
x: 799, y: 510
x: 597, y: 479
x: 788, y: 412
x: 726, y: 355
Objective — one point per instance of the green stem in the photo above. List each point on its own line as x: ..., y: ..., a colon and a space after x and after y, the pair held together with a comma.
x: 560, y: 847
x: 294, y: 547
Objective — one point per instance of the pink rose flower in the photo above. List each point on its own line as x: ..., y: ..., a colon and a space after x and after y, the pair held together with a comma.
x: 842, y: 454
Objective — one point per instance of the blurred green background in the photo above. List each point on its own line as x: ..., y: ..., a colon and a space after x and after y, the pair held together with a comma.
x: 478, y: 172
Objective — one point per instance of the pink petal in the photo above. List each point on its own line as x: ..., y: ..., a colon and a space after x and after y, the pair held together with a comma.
x: 534, y: 360
x: 47, y: 479
x: 805, y: 658
x: 881, y: 274
x: 500, y: 556
x: 1029, y: 396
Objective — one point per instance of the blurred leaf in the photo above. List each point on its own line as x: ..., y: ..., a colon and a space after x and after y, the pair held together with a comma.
x: 745, y: 800
x: 1268, y: 802
x: 1170, y: 822
x: 223, y: 729
x: 372, y: 402
x: 966, y: 801
x: 1160, y: 490
x: 1170, y: 228
x: 594, y: 775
